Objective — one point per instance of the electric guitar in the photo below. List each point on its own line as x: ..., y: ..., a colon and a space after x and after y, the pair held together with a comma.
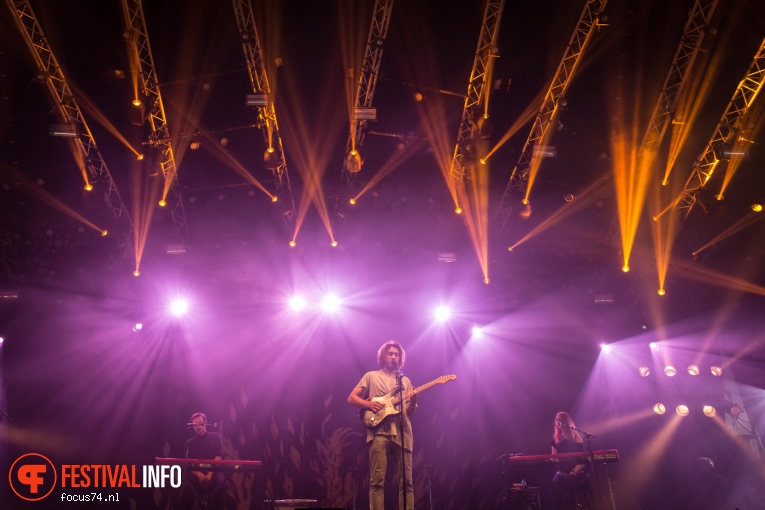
x: 391, y: 400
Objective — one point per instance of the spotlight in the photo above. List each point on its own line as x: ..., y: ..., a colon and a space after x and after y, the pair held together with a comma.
x: 442, y: 313
x: 274, y: 198
x: 353, y: 201
x: 136, y: 273
x: 137, y: 327
x: 670, y: 371
x: 605, y: 348
x: 645, y: 371
x: 709, y: 411
x: 682, y: 410
x: 477, y: 332
x: 104, y: 233
x: 418, y: 97
x: 195, y: 145
x: 333, y: 243
x: 179, y: 307
x: 224, y: 141
x: 659, y: 408
x: 661, y: 292
x: 353, y: 162
x: 485, y: 127
x: 654, y: 346
x: 330, y: 303
x: 88, y: 187
x: 297, y: 303
x: 292, y: 243
x: 757, y: 207
x: 568, y: 197
x: 716, y: 371
x: 458, y: 210
x: 626, y: 268
x: 693, y: 370
x: 162, y: 203
x: 271, y: 159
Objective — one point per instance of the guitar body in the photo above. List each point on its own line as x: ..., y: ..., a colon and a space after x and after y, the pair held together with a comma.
x: 392, y: 400
x: 373, y: 420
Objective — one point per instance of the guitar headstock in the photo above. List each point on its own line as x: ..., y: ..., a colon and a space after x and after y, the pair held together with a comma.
x: 446, y: 378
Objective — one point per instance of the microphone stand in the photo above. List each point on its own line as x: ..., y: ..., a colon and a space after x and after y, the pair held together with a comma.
x: 402, y: 422
x: 591, y: 457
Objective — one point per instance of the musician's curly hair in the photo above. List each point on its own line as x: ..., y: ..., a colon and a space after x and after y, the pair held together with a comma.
x: 384, y: 349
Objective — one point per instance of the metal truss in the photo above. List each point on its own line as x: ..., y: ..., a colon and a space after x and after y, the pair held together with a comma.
x: 729, y: 130
x: 65, y: 105
x: 253, y: 54
x: 666, y: 105
x: 486, y: 51
x: 370, y: 67
x: 159, y: 138
x: 585, y: 27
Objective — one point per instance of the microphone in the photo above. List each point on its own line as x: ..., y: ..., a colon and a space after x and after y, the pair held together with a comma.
x: 192, y: 425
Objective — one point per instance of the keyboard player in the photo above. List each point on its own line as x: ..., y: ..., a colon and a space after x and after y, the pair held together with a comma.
x: 207, y: 487
x: 571, y: 485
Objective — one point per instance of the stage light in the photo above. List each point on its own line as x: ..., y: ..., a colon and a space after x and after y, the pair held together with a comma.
x: 661, y: 292
x: 274, y: 198
x: 626, y: 268
x: 330, y: 303
x: 605, y: 348
x: 104, y: 233
x: 257, y: 100
x: 353, y: 162
x: 485, y: 127
x: 64, y: 130
x: 333, y: 243
x: 477, y: 332
x: 293, y: 243
x: 2, y: 340
x: 693, y: 370
x: 682, y: 410
x: 670, y: 371
x: 297, y: 303
x: 88, y: 187
x: 709, y: 411
x: 757, y: 207
x: 162, y: 203
x: 736, y: 410
x: 442, y: 313
x: 137, y: 327
x: 195, y: 145
x: 224, y: 141
x: 654, y: 346
x: 645, y: 371
x: 716, y: 371
x: 179, y: 307
x: 271, y: 159
x: 140, y: 157
x: 136, y: 273
x: 353, y: 201
x: 364, y: 113
x: 659, y: 408
x: 458, y: 210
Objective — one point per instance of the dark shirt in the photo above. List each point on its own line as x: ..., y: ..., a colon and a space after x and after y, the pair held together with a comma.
x: 207, y: 446
x: 567, y: 446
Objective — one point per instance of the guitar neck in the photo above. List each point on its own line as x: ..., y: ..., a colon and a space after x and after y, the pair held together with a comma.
x: 418, y: 389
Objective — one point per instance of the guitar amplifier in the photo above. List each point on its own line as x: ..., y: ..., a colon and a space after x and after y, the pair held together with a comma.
x: 525, y: 498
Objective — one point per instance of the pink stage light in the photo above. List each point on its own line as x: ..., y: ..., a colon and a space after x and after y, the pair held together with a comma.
x: 297, y: 303
x: 179, y: 307
x: 330, y: 303
x: 477, y: 332
x: 605, y: 348
x: 442, y: 313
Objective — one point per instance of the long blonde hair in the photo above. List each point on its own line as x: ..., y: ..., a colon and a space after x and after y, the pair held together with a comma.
x: 563, y: 429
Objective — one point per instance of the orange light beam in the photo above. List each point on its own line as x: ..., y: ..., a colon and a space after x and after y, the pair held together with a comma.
x: 588, y: 197
x: 524, y: 118
x: 712, y: 277
x: 745, y: 221
x: 225, y: 156
x: 37, y: 192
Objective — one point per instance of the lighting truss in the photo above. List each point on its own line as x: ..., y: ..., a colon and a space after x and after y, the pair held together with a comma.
x: 728, y: 130
x: 65, y: 105
x: 256, y: 69
x: 159, y: 138
x: 588, y: 21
